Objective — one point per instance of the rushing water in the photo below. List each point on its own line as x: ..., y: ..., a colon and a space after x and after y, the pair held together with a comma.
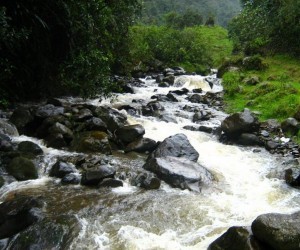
x: 132, y: 218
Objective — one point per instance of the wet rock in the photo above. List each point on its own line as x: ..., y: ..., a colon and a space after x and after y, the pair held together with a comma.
x: 83, y: 114
x: 5, y: 143
x: 18, y: 214
x: 21, y: 118
x: 152, y: 109
x: 29, y: 147
x: 197, y: 91
x: 290, y: 126
x: 94, y: 175
x: 237, y: 238
x: 56, y: 102
x: 201, y: 115
x: 57, y: 232
x: 141, y: 145
x: 238, y: 123
x: 129, y: 109
x: 191, y: 128
x: 48, y: 110
x: 205, y: 129
x: 271, y: 125
x: 2, y: 182
x: 178, y: 146
x: 292, y: 177
x: 167, y: 118
x: 56, y: 141
x: 22, y: 169
x: 109, y: 182
x: 270, y: 145
x: 60, y: 169
x: 159, y: 78
x: 8, y: 128
x: 71, y: 179
x: 179, y: 172
x: 248, y: 139
x: 169, y: 79
x: 130, y: 133
x: 163, y: 85
x: 279, y: 231
x: 169, y: 71
x: 145, y: 180
x: 58, y: 128
x: 112, y: 118
x: 95, y: 124
x: 171, y: 97
x: 161, y: 98
x: 195, y: 98
x: 42, y: 130
x: 182, y: 91
x: 91, y: 141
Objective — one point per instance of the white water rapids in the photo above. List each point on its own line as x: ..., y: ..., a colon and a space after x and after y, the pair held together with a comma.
x: 133, y: 218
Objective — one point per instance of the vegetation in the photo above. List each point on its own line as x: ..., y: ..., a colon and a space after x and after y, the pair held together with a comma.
x: 154, y: 11
x: 61, y: 46
x: 195, y: 48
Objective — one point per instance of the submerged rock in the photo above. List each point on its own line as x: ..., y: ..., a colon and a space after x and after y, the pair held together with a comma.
x: 110, y: 182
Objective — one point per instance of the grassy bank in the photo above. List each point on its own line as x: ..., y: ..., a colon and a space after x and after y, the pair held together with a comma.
x: 276, y: 95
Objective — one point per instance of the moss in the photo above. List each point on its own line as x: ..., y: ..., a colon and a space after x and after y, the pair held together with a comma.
x: 22, y: 169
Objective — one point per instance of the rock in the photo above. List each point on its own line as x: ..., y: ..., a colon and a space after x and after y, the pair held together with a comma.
x: 201, y: 115
x: 21, y: 118
x: 130, y: 133
x: 205, y: 129
x: 271, y: 125
x: 94, y: 175
x: 141, y: 145
x: 71, y: 178
x: 182, y: 91
x: 22, y: 169
x: 197, y: 91
x: 169, y: 79
x: 238, y: 123
x: 127, y: 88
x: 29, y: 147
x: 56, y: 141
x: 236, y: 238
x: 292, y: 177
x: 18, y: 214
x: 253, y: 63
x: 152, y: 109
x: 8, y: 128
x: 178, y: 146
x: 159, y: 78
x: 95, y: 124
x: 5, y: 143
x: 145, y: 180
x: 60, y: 169
x: 290, y: 126
x: 168, y: 71
x: 56, y: 102
x: 248, y: 139
x: 270, y: 145
x: 91, y: 141
x: 279, y: 231
x: 83, y: 114
x: 179, y: 71
x: 171, y: 97
x: 112, y: 118
x: 58, y: 128
x: 57, y: 232
x: 163, y: 85
x: 179, y: 172
x: 48, y: 110
x: 109, y: 182
x: 196, y: 98
x: 191, y: 128
x: 42, y: 130
x: 2, y: 182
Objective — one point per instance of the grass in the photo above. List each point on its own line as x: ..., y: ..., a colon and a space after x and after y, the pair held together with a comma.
x: 276, y: 96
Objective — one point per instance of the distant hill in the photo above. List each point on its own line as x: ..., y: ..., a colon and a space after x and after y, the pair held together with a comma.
x: 222, y: 10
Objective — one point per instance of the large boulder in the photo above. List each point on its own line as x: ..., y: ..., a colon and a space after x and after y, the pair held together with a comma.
x: 130, y: 133
x: 48, y: 110
x: 92, y: 141
x: 178, y: 146
x: 141, y: 145
x: 290, y: 126
x: 292, y: 177
x: 236, y: 238
x: 279, y: 231
x: 8, y: 128
x: 238, y: 123
x: 22, y: 169
x: 29, y: 147
x: 95, y: 124
x: 18, y: 214
x: 112, y: 118
x: 60, y: 169
x: 21, y: 118
x: 179, y: 172
x: 94, y: 175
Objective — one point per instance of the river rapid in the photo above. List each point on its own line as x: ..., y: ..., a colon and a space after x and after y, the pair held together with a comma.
x: 132, y: 218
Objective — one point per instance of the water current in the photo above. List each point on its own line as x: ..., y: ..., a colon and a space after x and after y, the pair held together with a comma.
x: 133, y: 218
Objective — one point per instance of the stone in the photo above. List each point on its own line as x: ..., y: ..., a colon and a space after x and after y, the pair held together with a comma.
x: 201, y: 115
x: 110, y: 182
x: 141, y: 145
x: 292, y: 177
x: 22, y: 169
x: 182, y: 91
x: 48, y: 110
x: 270, y: 145
x: 94, y: 175
x: 21, y: 118
x: 56, y: 141
x: 60, y: 169
x: 71, y: 178
x: 8, y: 128
x: 58, y: 128
x: 278, y: 231
x: 95, y: 124
x: 179, y: 172
x: 145, y: 180
x: 29, y: 147
x: 171, y: 97
x: 5, y: 143
x: 205, y: 129
x: 83, y: 114
x: 130, y: 133
x: 163, y: 85
x: 290, y: 126
x: 236, y: 238
x: 55, y: 101
x: 169, y: 79
x: 248, y: 139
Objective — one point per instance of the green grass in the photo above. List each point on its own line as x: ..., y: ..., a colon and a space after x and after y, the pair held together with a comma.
x: 277, y: 95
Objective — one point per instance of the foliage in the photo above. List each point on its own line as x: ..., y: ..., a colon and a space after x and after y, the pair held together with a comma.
x: 189, y: 18
x: 221, y: 11
x: 198, y: 47
x: 61, y: 46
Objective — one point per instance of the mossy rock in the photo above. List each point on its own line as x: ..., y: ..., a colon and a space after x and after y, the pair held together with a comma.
x: 29, y: 147
x: 92, y: 141
x: 22, y: 169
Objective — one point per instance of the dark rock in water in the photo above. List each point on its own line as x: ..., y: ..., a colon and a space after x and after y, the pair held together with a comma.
x: 191, y: 128
x: 161, y: 98
x: 95, y: 124
x: 179, y: 71
x: 159, y: 78
x: 279, y: 231
x: 18, y: 214
x: 201, y: 115
x: 110, y: 182
x: 290, y: 126
x: 238, y: 123
x: 8, y: 128
x: 167, y: 118
x: 42, y: 130
x: 196, y: 98
x: 60, y: 169
x: 93, y: 176
x: 48, y: 110
x: 5, y: 143
x: 56, y: 102
x: 127, y: 88
x: 83, y: 114
x: 271, y: 145
x: 49, y: 233
x: 58, y: 128
x: 237, y: 238
x: 292, y: 177
x: 129, y: 109
x: 179, y: 172
x: 141, y: 145
x: 169, y: 79
x: 130, y: 133
x: 146, y: 180
x: 56, y: 141
x: 21, y: 117
x: 22, y: 169
x: 171, y: 97
x: 112, y: 118
x: 182, y: 91
x: 248, y: 139
x: 197, y: 91
x: 29, y: 147
x: 178, y: 146
x: 71, y: 178
x: 163, y: 85
x: 92, y: 141
x: 206, y: 129
x: 2, y: 182
x: 168, y: 71
x: 152, y: 109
